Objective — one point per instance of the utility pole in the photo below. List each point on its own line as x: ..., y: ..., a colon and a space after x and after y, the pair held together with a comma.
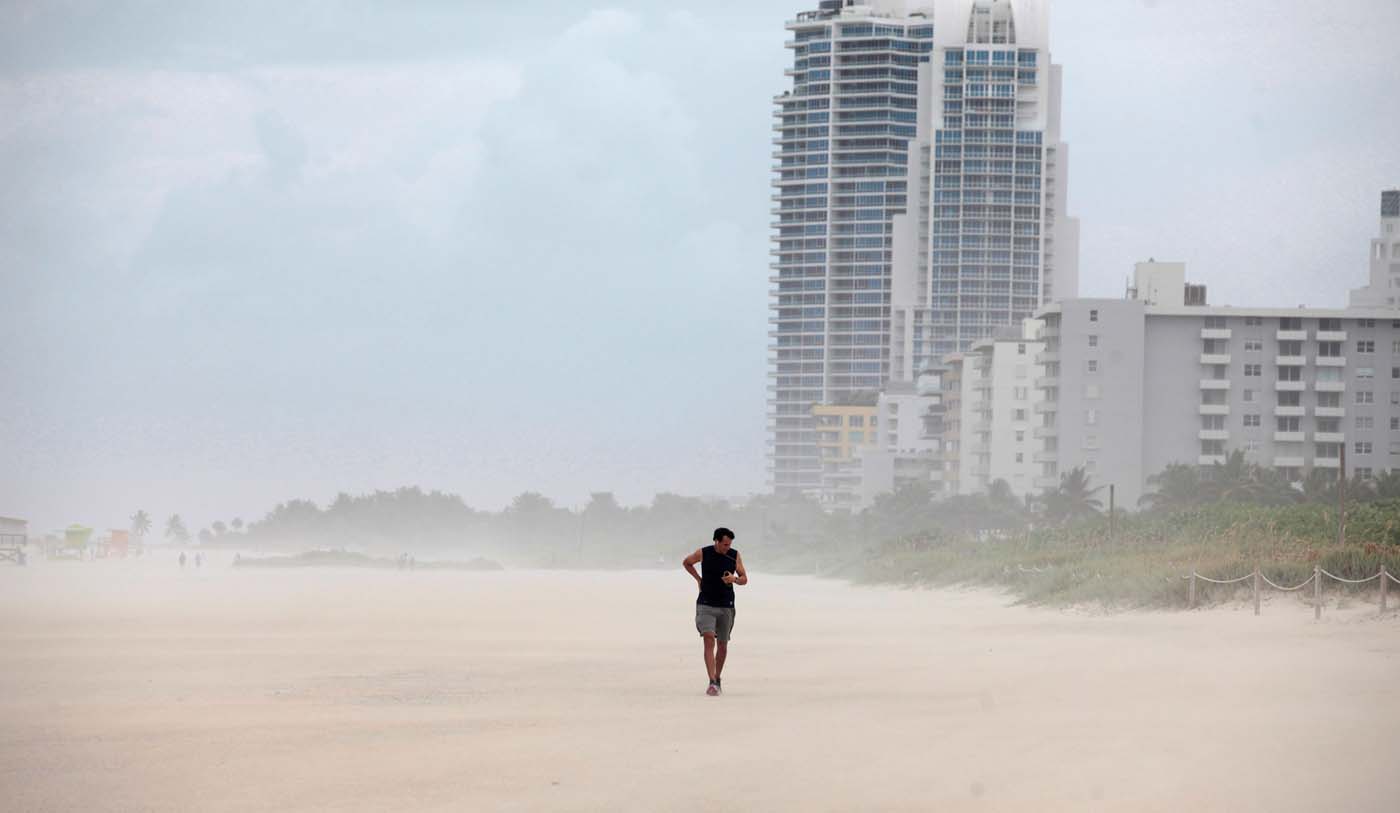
x: 1112, y: 519
x: 1342, y: 497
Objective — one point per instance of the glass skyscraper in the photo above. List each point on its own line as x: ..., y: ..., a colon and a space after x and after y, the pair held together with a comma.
x: 919, y: 200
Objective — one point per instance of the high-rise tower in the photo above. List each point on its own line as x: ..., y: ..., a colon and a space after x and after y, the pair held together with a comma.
x: 920, y: 200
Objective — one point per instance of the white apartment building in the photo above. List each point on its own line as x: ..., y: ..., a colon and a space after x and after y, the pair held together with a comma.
x: 911, y: 441
x: 1383, y: 287
x: 999, y: 396
x: 1133, y: 385
x: 919, y: 200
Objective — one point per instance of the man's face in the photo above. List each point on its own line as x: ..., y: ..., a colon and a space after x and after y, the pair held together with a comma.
x: 722, y: 546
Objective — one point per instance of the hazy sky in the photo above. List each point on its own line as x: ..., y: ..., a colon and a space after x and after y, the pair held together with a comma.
x: 257, y: 251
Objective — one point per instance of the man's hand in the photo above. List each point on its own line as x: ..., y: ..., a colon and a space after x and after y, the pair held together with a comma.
x: 729, y: 578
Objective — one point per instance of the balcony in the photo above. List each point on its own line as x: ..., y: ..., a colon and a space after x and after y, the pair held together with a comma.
x: 1215, y: 383
x: 1215, y: 358
x: 1045, y: 432
x: 1215, y: 409
x: 1047, y: 382
x: 1048, y: 357
x: 1290, y: 361
x: 1292, y: 335
x: 1215, y: 333
x: 1211, y: 459
x: 1330, y: 412
x: 1290, y: 411
x: 1288, y: 462
x: 1330, y: 386
x: 1045, y: 457
x: 1045, y: 406
x: 1331, y: 336
x: 1327, y: 463
x: 1288, y: 437
x: 1213, y: 434
x: 1290, y: 386
x: 1330, y: 437
x: 1330, y: 361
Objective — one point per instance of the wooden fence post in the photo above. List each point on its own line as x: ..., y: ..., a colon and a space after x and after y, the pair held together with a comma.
x: 1385, y: 583
x: 1193, y: 589
x: 1317, y: 592
x: 1256, y: 589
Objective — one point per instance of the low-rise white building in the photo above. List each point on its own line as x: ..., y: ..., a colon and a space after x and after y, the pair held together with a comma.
x: 999, y: 394
x: 1133, y: 385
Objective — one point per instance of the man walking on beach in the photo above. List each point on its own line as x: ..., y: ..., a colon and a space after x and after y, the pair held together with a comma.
x: 721, y: 568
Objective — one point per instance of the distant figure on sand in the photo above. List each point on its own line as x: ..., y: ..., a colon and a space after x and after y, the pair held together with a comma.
x: 182, y: 560
x: 721, y: 567
x: 199, y: 560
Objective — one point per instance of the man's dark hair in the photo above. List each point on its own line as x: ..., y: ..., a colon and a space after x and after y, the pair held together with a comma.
x: 721, y: 533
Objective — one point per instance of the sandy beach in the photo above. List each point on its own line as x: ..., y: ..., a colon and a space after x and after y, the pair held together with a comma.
x: 136, y: 686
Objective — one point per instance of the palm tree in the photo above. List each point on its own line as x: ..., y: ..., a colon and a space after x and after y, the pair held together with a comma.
x: 140, y: 525
x: 1388, y: 485
x: 1072, y: 499
x: 1235, y: 479
x: 220, y: 528
x: 1177, y: 486
x: 175, y: 529
x: 237, y: 524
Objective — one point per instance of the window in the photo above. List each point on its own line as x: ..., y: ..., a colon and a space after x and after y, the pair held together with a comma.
x: 1291, y: 373
x: 1395, y: 346
x: 1213, y: 447
x: 1395, y: 424
x: 1253, y: 370
x: 1249, y: 396
x: 1091, y: 441
x: 1290, y: 323
x: 1020, y: 457
x: 1394, y: 373
x: 1091, y: 417
x: 1251, y: 446
x: 1215, y: 322
x: 1251, y: 420
x: 1367, y: 323
x: 1018, y: 414
x: 1020, y: 393
x: 1021, y: 349
x: 1091, y: 390
x: 1093, y: 316
x: 1365, y: 397
x: 1020, y: 435
x: 1329, y: 400
x: 1329, y: 349
x: 1290, y: 398
x: 1093, y: 366
x: 1253, y: 321
x: 855, y: 437
x: 1253, y: 346
x: 1289, y: 424
x: 1366, y: 346
x: 1363, y: 474
x: 1329, y: 324
x: 1093, y: 340
x: 856, y: 420
x: 1365, y: 372
x: 1362, y: 447
x: 1365, y: 422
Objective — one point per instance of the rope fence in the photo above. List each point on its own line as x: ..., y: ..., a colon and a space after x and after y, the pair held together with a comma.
x: 1385, y: 576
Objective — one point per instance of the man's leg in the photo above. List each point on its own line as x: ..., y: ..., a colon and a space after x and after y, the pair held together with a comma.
x: 721, y: 650
x: 710, y: 656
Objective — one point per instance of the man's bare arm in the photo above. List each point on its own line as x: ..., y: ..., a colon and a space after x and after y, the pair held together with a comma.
x: 741, y: 576
x: 691, y: 561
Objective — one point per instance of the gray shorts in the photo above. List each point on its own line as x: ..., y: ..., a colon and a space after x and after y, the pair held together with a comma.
x: 716, y: 620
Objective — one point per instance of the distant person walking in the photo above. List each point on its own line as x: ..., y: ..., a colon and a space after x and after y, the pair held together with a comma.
x: 182, y: 560
x: 721, y: 567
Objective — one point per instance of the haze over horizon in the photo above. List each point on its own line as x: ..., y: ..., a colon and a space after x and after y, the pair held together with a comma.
x: 258, y: 253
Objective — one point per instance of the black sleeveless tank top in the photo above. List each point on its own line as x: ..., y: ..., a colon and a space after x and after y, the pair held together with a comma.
x: 713, y: 565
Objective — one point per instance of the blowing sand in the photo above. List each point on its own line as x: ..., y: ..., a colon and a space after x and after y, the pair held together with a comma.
x: 129, y: 686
